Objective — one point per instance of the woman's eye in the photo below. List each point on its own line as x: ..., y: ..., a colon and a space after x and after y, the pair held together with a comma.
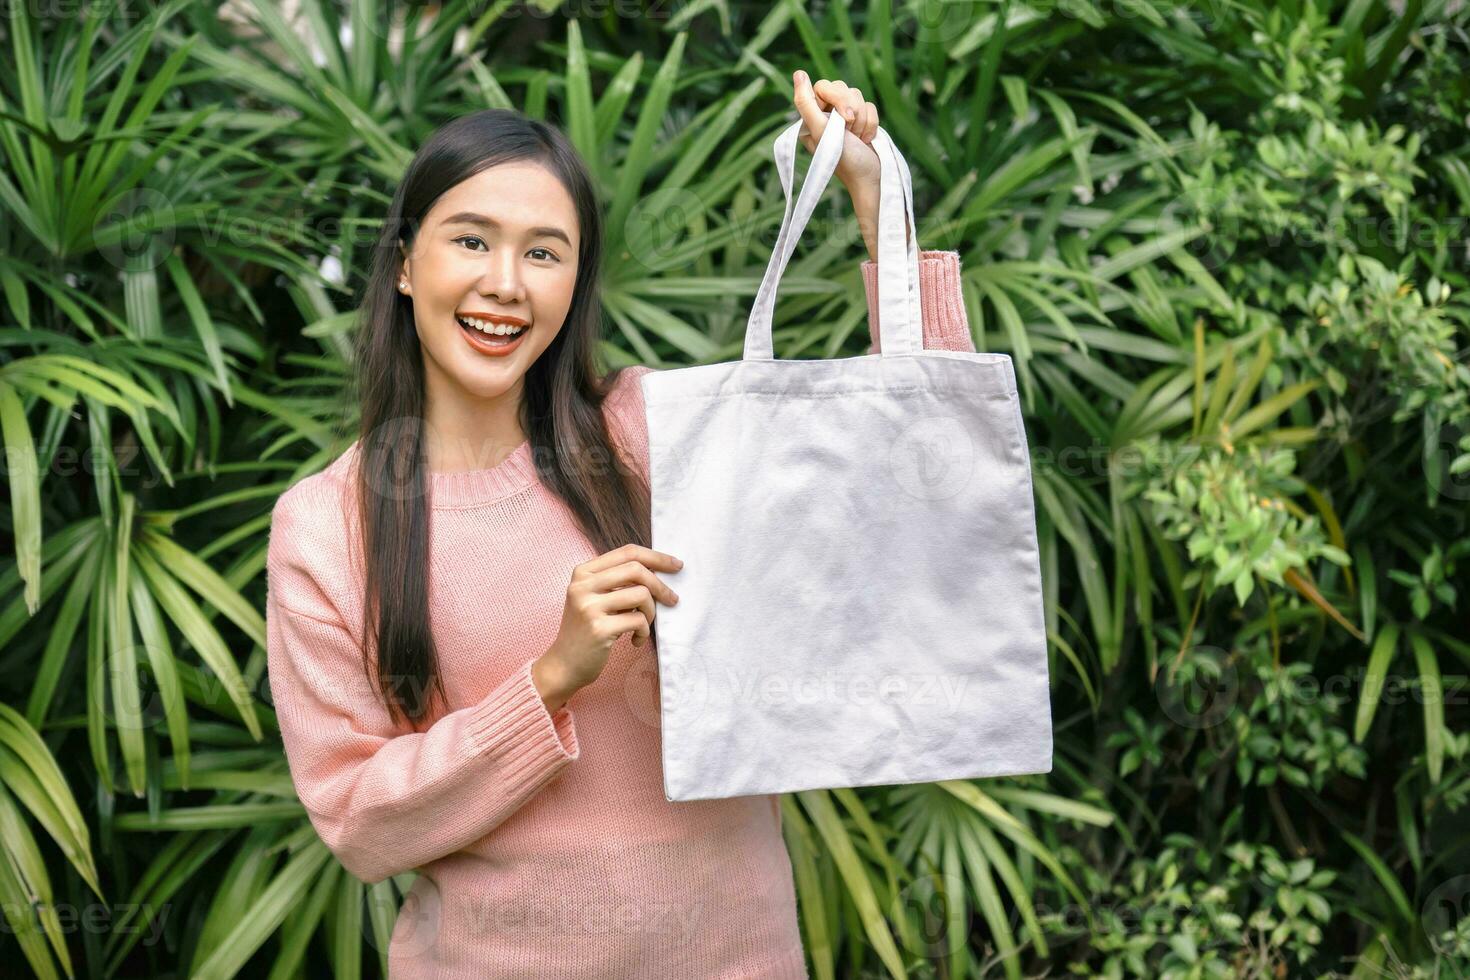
x: 476, y: 238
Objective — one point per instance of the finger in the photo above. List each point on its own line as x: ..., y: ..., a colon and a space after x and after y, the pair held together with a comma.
x: 631, y: 573
x: 631, y: 552
x: 633, y: 621
x: 809, y: 108
x: 638, y: 576
x: 854, y: 101
x: 635, y: 573
x: 661, y: 591
x: 801, y: 89
x: 870, y: 114
x: 626, y: 600
x: 834, y: 93
x: 610, y: 579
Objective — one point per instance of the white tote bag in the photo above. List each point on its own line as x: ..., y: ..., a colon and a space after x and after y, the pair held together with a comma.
x: 861, y: 599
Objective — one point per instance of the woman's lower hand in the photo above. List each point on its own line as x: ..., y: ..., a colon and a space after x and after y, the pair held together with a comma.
x: 608, y: 596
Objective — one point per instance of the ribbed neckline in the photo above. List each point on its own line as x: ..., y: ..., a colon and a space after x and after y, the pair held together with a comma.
x: 466, y: 488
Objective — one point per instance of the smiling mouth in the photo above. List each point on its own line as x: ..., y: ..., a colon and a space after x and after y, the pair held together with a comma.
x: 491, y: 334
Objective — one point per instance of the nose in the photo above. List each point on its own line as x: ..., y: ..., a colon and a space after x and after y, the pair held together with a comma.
x: 502, y: 277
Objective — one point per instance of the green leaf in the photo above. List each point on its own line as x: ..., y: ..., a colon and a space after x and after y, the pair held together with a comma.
x: 1431, y: 693
x: 257, y: 923
x: 30, y: 772
x: 1374, y: 679
x: 25, y: 492
x: 829, y: 825
x: 190, y: 621
x: 1386, y: 879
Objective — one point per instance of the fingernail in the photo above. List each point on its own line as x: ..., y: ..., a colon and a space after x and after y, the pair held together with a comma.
x: 679, y: 562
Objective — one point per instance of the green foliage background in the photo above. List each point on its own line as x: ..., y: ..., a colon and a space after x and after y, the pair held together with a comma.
x: 1224, y: 242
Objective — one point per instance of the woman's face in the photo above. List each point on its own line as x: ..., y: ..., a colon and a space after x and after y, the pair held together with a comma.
x: 499, y: 246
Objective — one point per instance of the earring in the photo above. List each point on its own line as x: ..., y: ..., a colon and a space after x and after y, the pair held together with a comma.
x: 403, y: 284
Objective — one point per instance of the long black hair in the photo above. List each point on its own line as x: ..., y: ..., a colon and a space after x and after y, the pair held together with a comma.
x: 560, y: 409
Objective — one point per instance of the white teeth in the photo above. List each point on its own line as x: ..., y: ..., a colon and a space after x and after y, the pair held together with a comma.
x: 498, y: 329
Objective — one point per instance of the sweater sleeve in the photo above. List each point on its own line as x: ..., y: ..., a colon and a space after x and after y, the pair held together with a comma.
x: 946, y: 326
x: 386, y: 799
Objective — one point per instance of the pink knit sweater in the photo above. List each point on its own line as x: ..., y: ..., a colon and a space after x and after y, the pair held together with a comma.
x: 544, y: 844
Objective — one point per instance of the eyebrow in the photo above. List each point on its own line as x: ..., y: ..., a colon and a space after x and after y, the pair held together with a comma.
x: 480, y: 220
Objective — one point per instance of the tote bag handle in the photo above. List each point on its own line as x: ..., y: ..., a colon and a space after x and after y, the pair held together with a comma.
x: 900, y: 326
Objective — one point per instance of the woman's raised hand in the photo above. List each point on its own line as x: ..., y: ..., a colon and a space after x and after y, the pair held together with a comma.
x: 608, y: 596
x: 858, y: 168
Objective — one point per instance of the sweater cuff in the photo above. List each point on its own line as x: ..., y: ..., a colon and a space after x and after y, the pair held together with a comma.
x: 512, y: 722
x: 946, y: 325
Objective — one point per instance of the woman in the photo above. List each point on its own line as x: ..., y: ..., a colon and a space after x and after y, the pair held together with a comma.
x: 449, y: 598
